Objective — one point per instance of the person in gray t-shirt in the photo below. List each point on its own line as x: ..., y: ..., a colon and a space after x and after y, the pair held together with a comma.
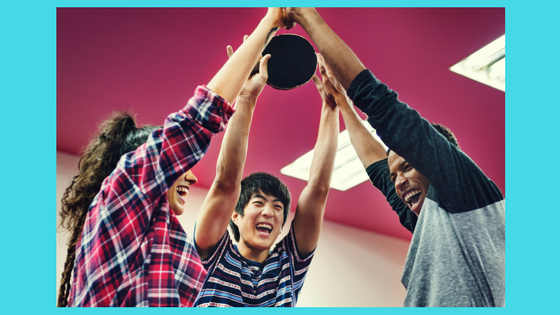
x: 457, y: 252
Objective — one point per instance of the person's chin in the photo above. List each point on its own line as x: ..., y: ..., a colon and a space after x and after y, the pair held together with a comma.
x: 260, y: 245
x: 418, y: 208
x: 178, y: 210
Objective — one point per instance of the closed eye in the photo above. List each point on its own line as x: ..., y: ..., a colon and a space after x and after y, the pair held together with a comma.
x: 407, y: 167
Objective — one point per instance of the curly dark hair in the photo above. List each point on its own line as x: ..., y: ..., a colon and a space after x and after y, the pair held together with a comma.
x: 261, y: 183
x: 117, y: 135
x: 447, y: 133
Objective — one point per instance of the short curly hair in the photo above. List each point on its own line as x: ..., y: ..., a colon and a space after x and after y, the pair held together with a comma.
x: 261, y: 183
x: 447, y: 133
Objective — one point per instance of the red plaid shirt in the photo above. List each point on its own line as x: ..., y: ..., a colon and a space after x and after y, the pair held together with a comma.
x: 133, y: 250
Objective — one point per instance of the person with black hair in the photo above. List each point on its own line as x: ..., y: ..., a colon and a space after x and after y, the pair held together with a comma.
x: 130, y: 249
x: 249, y: 273
x: 457, y: 252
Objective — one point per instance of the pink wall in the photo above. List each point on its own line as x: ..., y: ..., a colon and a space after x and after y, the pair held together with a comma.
x: 149, y: 60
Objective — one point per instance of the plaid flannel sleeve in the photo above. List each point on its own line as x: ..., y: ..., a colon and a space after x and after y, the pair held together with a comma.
x: 113, y: 238
x: 143, y: 176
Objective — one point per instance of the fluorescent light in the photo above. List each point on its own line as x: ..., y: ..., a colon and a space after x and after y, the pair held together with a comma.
x: 348, y: 169
x: 486, y: 51
x: 498, y: 69
x: 487, y: 65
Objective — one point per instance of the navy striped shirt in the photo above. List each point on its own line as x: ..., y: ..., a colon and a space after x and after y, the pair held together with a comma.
x: 234, y: 281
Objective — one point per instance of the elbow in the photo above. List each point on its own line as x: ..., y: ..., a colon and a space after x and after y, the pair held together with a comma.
x: 228, y: 187
x: 320, y: 191
x: 227, y: 178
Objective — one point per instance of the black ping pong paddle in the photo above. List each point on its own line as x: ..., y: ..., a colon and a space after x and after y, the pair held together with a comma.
x: 293, y: 61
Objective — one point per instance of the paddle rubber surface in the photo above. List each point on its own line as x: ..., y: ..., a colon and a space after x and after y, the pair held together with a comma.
x: 293, y: 61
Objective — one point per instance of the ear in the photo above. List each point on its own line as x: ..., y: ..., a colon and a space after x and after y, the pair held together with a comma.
x: 235, y: 216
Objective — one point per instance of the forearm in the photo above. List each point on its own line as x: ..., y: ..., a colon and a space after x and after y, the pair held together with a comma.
x: 233, y: 153
x: 180, y: 144
x: 450, y: 171
x: 312, y: 201
x: 369, y: 150
x: 222, y: 197
x: 324, y: 151
x: 231, y: 77
x: 344, y: 64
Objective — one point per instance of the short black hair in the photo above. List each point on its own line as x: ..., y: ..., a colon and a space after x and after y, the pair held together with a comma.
x: 447, y: 133
x: 444, y: 131
x: 261, y: 183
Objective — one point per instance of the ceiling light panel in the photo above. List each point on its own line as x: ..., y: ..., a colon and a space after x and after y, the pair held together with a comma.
x: 487, y: 65
x: 348, y: 169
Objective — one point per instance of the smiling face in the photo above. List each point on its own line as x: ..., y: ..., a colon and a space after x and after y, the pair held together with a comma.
x: 178, y: 192
x: 410, y: 185
x: 260, y: 224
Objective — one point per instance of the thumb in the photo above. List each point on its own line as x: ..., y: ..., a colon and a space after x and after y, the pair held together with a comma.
x: 229, y: 51
x: 317, y: 81
x: 263, y: 67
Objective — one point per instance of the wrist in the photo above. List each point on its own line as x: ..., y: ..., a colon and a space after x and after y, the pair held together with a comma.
x: 341, y: 100
x: 247, y: 100
x: 271, y: 22
x: 329, y: 105
x: 309, y: 17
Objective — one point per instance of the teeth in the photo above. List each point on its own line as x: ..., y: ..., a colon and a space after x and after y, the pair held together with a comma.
x: 264, y: 225
x: 182, y: 191
x: 411, y: 194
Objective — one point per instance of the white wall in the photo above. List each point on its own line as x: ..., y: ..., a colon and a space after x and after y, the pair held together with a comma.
x: 351, y: 267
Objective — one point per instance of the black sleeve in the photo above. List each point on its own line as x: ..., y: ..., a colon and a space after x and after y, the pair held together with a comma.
x: 378, y: 173
x: 459, y: 183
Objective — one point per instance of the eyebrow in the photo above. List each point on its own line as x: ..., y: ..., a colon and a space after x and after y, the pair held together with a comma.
x: 391, y: 174
x: 257, y: 195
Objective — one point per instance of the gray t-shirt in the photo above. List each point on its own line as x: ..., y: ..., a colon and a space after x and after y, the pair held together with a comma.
x: 457, y: 253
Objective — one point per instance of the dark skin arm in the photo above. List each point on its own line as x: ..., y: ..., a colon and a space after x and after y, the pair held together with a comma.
x: 369, y: 150
x: 344, y: 64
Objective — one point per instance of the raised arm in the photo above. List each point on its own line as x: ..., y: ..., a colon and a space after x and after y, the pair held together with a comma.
x: 312, y: 201
x: 344, y: 64
x: 231, y: 77
x: 369, y: 150
x: 220, y: 202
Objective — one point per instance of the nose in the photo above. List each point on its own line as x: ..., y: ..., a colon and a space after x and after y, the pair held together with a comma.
x: 267, y: 212
x: 400, y: 182
x: 189, y: 177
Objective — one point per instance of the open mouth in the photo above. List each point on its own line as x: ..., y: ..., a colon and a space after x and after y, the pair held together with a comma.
x: 264, y: 228
x: 412, y: 198
x: 182, y: 192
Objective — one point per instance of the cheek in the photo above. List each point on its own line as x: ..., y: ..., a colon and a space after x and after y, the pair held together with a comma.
x: 169, y: 196
x: 423, y: 181
x: 280, y: 218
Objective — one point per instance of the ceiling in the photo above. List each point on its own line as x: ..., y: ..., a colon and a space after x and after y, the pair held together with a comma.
x: 150, y: 60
